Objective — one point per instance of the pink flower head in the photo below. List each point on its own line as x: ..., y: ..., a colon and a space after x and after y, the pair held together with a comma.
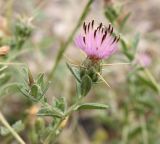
x: 97, y: 43
x: 144, y: 59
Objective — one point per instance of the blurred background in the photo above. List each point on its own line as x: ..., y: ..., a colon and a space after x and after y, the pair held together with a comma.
x: 133, y: 116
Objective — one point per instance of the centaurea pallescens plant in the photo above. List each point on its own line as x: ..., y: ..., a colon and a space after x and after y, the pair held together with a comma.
x: 98, y: 44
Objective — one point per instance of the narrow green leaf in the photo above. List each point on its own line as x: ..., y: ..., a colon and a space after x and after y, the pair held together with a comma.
x: 91, y: 106
x: 85, y: 85
x: 46, y: 88
x: 78, y: 89
x: 73, y: 72
x: 4, y: 78
x: 126, y: 50
x: 111, y: 14
x: 40, y: 80
x: 59, y: 103
x: 48, y: 112
x: 136, y: 41
x: 147, y: 82
x: 124, y: 21
x: 25, y: 92
x: 34, y: 90
x: 134, y: 132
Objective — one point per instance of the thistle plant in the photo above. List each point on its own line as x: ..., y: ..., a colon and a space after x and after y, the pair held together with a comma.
x: 97, y: 44
x: 129, y: 111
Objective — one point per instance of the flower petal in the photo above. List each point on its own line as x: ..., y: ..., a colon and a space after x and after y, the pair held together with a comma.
x: 79, y: 42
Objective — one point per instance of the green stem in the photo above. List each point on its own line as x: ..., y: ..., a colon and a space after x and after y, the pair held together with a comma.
x: 13, y: 132
x: 66, y: 44
x: 144, y: 130
x: 52, y: 135
x: 14, y: 55
x: 7, y: 86
x: 148, y: 73
x: 125, y: 135
x: 9, y: 10
x: 53, y: 132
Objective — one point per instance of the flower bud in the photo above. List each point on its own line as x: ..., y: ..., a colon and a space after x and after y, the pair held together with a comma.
x: 39, y: 124
x: 23, y: 27
x: 4, y: 50
x: 64, y: 122
x: 144, y: 59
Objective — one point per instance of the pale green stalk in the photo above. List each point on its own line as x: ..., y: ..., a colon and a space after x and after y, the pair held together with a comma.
x: 150, y: 76
x: 13, y: 132
x: 144, y: 130
x: 52, y: 135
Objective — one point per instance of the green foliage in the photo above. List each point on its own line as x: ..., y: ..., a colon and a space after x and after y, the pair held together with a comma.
x: 117, y: 15
x: 135, y: 42
x: 60, y: 103
x: 111, y: 14
x: 141, y: 88
x: 124, y: 21
x: 74, y: 72
x: 126, y: 50
x: 130, y: 49
x: 90, y: 106
x: 54, y: 112
x: 18, y: 126
x: 85, y: 85
x: 133, y: 114
x: 34, y: 89
x: 4, y: 75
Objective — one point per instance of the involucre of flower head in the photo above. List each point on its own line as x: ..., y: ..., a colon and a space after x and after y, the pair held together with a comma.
x: 98, y: 43
x: 91, y: 68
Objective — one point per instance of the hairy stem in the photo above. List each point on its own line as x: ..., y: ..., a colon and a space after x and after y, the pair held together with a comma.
x: 52, y: 135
